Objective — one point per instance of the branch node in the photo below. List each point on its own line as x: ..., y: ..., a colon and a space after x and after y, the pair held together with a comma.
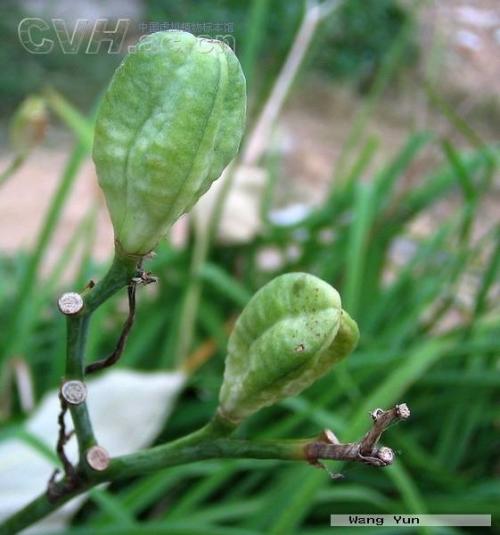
x: 403, y: 411
x: 144, y: 278
x: 327, y: 445
x: 376, y: 414
x: 386, y: 455
x: 74, y: 392
x: 331, y: 437
x: 70, y: 303
x: 97, y: 458
x: 328, y: 437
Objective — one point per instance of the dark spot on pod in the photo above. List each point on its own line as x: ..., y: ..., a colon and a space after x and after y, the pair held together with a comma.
x: 298, y: 285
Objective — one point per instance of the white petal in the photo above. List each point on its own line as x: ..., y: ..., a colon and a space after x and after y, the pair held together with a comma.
x: 128, y: 409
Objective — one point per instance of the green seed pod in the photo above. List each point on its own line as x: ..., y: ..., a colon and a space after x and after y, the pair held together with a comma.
x: 28, y: 125
x: 169, y: 123
x: 291, y: 332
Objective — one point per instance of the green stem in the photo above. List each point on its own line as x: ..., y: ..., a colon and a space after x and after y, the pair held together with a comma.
x: 123, y: 268
x: 177, y: 453
x: 213, y: 442
x: 77, y: 330
x: 209, y: 442
x: 121, y: 271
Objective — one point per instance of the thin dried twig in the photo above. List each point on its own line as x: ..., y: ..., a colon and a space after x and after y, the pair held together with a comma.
x: 367, y: 450
x: 69, y: 469
x: 143, y: 278
x: 120, y: 346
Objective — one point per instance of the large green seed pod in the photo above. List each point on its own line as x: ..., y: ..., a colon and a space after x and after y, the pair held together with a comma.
x: 169, y: 123
x: 291, y: 332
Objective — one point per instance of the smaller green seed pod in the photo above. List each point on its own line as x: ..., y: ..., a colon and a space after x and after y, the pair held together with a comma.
x: 291, y: 333
x: 28, y: 125
x: 170, y: 122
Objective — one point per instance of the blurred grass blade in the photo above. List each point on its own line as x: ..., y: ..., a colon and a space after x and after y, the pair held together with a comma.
x: 489, y: 277
x: 415, y: 503
x: 358, y: 243
x: 17, y: 327
x: 228, y: 286
x: 82, y: 128
x: 464, y: 178
x: 391, y: 61
x: 386, y: 179
x: 254, y: 34
x: 119, y: 514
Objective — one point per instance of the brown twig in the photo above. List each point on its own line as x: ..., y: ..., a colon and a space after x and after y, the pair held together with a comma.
x: 120, y: 346
x: 207, y: 443
x: 69, y: 469
x: 381, y: 421
x: 367, y: 450
x: 142, y: 278
x: 63, y: 438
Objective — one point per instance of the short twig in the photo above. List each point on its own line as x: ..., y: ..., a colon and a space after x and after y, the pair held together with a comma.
x: 63, y: 437
x: 367, y: 450
x: 143, y: 278
x: 120, y: 346
x: 381, y: 421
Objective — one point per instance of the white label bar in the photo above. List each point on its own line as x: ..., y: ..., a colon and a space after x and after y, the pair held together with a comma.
x: 402, y: 521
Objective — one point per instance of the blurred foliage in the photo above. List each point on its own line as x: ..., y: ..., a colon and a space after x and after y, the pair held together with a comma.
x: 353, y: 44
x: 426, y: 303
x: 279, y: 26
x: 260, y: 27
x: 446, y: 371
x: 355, y: 40
x: 23, y: 73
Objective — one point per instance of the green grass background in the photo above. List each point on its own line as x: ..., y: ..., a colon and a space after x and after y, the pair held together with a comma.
x: 447, y: 453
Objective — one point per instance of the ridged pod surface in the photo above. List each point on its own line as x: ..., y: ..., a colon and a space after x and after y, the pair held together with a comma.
x: 291, y: 332
x: 169, y: 123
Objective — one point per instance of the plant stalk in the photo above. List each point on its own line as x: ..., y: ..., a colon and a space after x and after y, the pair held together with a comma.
x: 200, y: 445
x: 119, y: 275
x: 213, y: 442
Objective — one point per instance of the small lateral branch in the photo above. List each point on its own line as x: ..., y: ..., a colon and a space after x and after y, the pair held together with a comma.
x: 69, y: 470
x: 367, y: 450
x: 207, y: 443
x: 142, y: 278
x: 114, y: 357
x: 63, y: 439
